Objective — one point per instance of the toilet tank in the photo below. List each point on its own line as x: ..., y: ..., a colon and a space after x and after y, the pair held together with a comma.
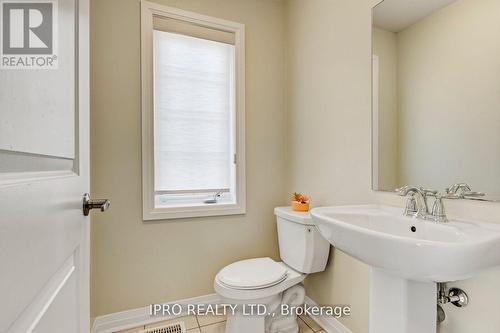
x: 301, y: 245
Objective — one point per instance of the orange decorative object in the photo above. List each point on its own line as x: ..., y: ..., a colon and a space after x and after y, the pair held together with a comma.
x: 300, y: 202
x: 300, y: 207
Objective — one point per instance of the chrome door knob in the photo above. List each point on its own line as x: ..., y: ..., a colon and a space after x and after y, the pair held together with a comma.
x: 89, y: 204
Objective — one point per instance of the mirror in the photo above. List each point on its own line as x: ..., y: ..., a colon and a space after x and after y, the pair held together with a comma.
x: 436, y: 95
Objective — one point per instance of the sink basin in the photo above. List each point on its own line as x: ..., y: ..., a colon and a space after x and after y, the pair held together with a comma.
x: 414, y: 249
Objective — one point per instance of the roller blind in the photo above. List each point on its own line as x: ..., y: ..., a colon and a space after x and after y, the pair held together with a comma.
x: 191, y: 29
x: 194, y: 112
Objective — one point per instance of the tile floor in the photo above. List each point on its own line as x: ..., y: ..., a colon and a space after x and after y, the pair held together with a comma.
x: 216, y: 324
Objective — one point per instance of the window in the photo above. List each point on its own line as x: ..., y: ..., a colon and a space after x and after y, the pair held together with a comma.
x: 193, y: 114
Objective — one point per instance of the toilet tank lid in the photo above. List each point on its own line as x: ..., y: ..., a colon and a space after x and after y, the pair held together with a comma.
x: 289, y: 214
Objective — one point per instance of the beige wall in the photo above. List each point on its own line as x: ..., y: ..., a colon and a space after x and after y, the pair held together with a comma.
x: 329, y: 102
x: 136, y: 263
x: 449, y: 96
x: 385, y: 48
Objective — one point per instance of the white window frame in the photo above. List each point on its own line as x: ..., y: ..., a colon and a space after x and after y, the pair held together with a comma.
x: 150, y: 212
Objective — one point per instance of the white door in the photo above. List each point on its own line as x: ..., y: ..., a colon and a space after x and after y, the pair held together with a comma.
x: 44, y: 172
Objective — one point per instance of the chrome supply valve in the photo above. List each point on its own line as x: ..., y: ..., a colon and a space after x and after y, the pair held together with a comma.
x: 455, y: 296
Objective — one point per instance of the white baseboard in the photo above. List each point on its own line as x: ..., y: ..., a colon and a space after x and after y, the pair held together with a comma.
x: 329, y: 324
x: 118, y: 321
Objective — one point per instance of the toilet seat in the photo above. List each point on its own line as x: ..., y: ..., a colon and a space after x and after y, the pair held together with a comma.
x: 252, y: 274
x: 292, y: 277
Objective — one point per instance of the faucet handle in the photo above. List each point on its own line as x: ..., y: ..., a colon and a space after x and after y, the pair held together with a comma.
x: 411, y: 206
x: 458, y: 190
x: 462, y: 191
x: 438, y: 212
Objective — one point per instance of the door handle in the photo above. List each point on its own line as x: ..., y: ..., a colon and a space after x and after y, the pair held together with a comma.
x: 89, y: 204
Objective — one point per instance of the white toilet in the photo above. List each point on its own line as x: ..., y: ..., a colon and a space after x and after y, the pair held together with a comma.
x: 270, y: 283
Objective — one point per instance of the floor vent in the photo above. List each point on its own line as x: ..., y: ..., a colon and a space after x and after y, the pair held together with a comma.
x: 172, y: 328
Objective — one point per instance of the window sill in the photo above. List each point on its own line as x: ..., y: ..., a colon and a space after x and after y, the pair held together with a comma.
x: 205, y: 210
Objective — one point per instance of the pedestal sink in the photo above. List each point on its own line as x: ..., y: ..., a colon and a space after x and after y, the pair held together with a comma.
x: 408, y: 256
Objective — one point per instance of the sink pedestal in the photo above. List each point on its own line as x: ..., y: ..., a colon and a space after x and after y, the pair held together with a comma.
x: 398, y: 305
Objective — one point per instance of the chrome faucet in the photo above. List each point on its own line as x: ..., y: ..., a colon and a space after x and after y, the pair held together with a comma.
x: 461, y: 191
x: 458, y: 188
x: 416, y: 204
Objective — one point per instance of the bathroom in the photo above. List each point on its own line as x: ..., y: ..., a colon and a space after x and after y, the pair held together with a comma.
x: 308, y: 101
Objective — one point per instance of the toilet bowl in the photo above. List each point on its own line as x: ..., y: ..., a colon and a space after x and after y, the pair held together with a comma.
x: 260, y: 287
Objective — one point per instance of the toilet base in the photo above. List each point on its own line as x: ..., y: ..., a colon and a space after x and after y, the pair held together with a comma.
x: 245, y: 324
x: 274, y: 322
x: 286, y: 325
x: 257, y: 324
